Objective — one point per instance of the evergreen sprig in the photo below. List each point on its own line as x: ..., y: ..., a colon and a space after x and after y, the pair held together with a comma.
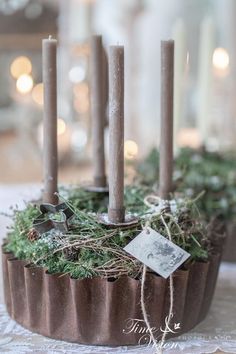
x: 197, y: 171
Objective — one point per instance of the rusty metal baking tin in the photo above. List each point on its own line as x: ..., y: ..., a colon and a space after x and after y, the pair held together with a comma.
x: 94, y: 311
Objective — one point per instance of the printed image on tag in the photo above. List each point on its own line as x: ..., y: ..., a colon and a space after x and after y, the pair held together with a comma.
x: 157, y: 252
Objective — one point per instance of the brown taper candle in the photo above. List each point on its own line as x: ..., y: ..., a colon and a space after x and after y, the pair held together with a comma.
x: 98, y: 111
x: 166, y: 139
x: 50, y: 121
x: 116, y: 210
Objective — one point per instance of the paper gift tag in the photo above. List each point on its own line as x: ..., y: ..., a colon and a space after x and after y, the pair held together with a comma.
x: 157, y: 252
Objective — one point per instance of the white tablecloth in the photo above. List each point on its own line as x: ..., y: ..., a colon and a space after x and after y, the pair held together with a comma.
x: 217, y: 331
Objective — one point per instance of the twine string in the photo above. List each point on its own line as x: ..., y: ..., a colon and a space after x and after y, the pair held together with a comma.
x: 144, y: 311
x: 171, y: 284
x: 158, y: 347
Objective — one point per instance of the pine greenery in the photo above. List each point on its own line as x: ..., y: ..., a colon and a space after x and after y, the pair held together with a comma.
x: 197, y: 171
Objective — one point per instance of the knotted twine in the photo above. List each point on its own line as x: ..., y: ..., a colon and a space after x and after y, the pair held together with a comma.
x: 158, y: 210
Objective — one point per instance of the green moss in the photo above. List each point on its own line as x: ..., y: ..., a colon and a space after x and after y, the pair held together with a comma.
x: 98, y: 248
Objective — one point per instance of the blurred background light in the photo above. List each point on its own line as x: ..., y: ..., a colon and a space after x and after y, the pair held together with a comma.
x: 33, y: 10
x: 220, y: 58
x: 81, y: 106
x: 130, y: 149
x: 78, y: 139
x: 77, y: 74
x: 61, y: 126
x: 19, y: 66
x: 189, y: 137
x: 24, y: 84
x: 81, y: 90
x: 37, y: 94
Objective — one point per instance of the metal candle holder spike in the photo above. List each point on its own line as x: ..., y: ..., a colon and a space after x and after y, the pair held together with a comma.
x: 129, y: 220
x: 95, y: 189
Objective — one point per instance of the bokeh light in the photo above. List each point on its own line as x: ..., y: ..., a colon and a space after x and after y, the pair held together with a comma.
x: 81, y: 106
x: 33, y: 10
x: 77, y: 74
x: 24, y: 84
x: 81, y: 90
x: 189, y: 137
x: 37, y: 94
x: 220, y: 59
x: 130, y: 149
x: 20, y: 66
x: 61, y: 126
x: 78, y: 139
